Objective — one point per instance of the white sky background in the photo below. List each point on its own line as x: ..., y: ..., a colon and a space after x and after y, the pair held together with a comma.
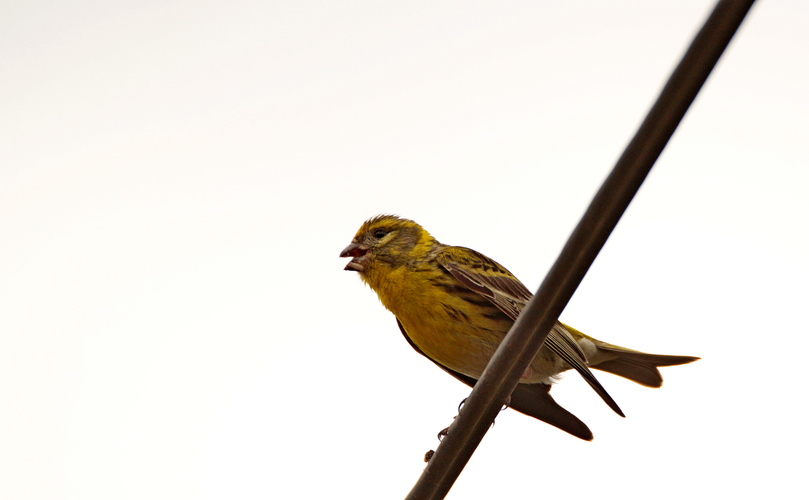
x: 178, y: 178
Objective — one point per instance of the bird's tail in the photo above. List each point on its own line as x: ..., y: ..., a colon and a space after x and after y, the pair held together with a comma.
x: 637, y: 366
x: 535, y: 400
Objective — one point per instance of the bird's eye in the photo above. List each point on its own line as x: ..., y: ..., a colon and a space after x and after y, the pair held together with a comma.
x: 380, y: 233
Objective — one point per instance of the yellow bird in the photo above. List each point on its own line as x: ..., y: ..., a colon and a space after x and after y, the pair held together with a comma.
x: 454, y: 306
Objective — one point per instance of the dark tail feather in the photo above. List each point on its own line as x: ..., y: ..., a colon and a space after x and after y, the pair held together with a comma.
x: 640, y: 367
x: 535, y: 400
x: 531, y: 399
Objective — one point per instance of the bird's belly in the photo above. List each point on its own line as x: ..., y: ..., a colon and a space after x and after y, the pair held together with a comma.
x: 456, y: 327
x: 465, y: 341
x: 453, y: 344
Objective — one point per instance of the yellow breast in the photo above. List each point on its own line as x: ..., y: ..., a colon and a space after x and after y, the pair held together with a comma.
x: 452, y: 325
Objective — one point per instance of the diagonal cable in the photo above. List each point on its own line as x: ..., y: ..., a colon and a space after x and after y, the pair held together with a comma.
x: 525, y: 338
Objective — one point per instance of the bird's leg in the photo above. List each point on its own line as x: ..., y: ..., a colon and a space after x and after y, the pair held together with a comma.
x: 460, y: 405
x: 443, y: 432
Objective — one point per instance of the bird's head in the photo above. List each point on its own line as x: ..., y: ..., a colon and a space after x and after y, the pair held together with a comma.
x: 384, y: 239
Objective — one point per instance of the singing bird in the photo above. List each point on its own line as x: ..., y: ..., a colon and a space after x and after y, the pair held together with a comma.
x: 454, y: 306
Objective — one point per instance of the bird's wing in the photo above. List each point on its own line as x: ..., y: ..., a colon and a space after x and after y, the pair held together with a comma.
x: 486, y: 277
x: 531, y: 399
x: 493, y: 281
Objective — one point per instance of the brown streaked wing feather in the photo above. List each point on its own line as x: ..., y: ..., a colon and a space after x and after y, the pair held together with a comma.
x: 491, y: 280
x: 486, y: 277
x: 533, y: 400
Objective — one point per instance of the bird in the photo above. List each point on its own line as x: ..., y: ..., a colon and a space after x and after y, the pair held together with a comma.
x: 455, y: 305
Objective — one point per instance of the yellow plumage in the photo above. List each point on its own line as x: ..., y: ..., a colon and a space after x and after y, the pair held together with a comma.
x: 455, y: 305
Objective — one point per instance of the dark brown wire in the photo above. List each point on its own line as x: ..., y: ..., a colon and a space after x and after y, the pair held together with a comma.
x: 529, y: 331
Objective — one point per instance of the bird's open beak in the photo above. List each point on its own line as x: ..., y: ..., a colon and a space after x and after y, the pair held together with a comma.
x: 358, y: 252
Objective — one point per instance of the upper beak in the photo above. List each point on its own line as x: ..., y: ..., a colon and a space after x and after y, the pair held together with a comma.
x: 358, y: 252
x: 354, y: 250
